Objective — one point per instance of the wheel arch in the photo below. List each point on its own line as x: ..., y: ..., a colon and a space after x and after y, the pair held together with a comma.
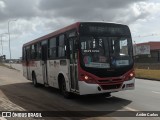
x: 33, y: 74
x: 60, y: 78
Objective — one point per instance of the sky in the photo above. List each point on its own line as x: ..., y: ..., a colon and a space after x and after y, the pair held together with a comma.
x: 30, y: 19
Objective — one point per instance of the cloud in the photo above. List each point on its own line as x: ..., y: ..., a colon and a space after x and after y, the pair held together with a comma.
x: 18, y: 9
x: 148, y: 17
x: 2, y: 5
x: 88, y: 10
x: 124, y: 11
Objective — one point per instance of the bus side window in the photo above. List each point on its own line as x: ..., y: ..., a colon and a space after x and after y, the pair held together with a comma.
x: 28, y: 53
x: 24, y: 54
x: 61, y: 46
x: 52, y: 50
x: 33, y: 51
x: 38, y: 51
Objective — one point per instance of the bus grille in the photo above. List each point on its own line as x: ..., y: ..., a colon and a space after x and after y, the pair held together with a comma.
x: 110, y: 87
x: 111, y: 80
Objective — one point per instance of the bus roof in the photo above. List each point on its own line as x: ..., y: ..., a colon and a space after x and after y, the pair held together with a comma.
x: 72, y: 26
x: 65, y: 29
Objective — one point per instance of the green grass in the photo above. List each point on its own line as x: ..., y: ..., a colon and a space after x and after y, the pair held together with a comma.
x: 3, y: 65
x: 147, y: 73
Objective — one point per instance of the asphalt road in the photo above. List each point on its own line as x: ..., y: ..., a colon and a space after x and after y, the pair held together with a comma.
x: 21, y: 94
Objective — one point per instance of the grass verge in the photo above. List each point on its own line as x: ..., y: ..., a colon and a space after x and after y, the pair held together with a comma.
x: 3, y: 65
x: 148, y: 74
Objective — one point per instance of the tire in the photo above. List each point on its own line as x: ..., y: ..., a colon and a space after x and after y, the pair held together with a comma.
x: 34, y: 80
x: 107, y: 95
x: 64, y: 92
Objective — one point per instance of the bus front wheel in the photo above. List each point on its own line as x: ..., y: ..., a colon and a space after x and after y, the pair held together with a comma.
x: 34, y: 80
x: 64, y: 92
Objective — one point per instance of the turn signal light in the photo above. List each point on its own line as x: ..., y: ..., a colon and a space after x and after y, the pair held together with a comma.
x: 87, y: 79
x: 130, y: 76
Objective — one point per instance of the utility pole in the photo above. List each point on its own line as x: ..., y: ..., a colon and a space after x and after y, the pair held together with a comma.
x: 2, y: 41
x: 10, y: 54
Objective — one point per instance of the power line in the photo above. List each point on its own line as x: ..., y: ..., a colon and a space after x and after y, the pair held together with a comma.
x: 140, y: 36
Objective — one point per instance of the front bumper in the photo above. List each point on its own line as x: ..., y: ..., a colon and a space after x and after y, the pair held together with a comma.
x: 85, y: 88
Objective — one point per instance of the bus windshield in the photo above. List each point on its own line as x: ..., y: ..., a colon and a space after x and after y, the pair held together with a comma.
x: 106, y: 52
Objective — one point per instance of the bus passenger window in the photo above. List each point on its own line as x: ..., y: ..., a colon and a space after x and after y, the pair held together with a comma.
x: 52, y: 48
x: 33, y: 51
x: 24, y: 54
x: 39, y: 51
x: 61, y: 47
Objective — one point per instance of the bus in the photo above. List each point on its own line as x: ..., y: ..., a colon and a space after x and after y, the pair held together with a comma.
x: 82, y: 58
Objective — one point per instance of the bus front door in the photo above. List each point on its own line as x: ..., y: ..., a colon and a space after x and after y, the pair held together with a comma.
x: 73, y: 64
x: 44, y: 62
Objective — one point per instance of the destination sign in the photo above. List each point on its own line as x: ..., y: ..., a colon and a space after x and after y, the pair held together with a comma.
x: 104, y: 29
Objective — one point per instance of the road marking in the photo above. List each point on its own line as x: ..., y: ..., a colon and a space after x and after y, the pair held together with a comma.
x: 156, y: 92
x: 130, y: 109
